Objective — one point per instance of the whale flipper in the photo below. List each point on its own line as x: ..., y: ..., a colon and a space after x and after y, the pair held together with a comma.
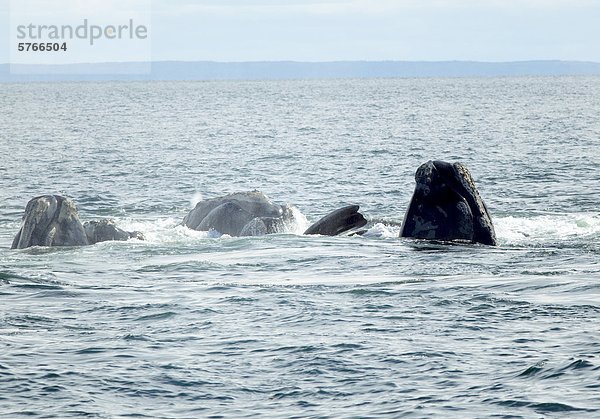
x: 338, y: 222
x: 447, y: 206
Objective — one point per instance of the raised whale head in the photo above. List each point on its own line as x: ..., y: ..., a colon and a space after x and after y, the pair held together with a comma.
x: 50, y: 220
x: 446, y: 206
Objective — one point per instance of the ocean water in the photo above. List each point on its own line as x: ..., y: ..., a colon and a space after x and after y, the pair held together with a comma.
x: 190, y: 324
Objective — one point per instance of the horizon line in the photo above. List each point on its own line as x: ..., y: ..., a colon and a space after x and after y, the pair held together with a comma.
x: 549, y: 60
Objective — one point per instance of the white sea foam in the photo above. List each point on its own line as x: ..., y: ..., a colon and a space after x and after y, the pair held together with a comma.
x: 512, y: 230
x: 170, y: 230
x: 164, y: 230
x: 197, y: 197
x: 298, y: 223
x: 544, y: 228
x: 383, y: 231
x: 525, y: 230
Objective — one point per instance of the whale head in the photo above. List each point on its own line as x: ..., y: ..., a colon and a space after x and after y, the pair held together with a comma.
x: 50, y: 220
x: 447, y: 206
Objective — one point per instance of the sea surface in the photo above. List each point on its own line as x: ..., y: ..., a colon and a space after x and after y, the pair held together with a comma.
x: 194, y: 324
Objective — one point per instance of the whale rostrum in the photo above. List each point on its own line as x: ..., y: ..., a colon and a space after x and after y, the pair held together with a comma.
x: 446, y: 206
x: 50, y: 220
x: 53, y: 220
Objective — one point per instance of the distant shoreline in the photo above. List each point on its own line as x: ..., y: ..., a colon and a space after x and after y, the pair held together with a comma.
x: 289, y: 70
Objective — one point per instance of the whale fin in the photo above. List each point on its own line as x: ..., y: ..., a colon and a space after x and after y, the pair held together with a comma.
x: 338, y: 222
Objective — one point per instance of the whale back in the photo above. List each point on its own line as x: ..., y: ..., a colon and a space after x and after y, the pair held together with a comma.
x: 106, y: 230
x: 447, y: 206
x: 50, y: 220
x: 228, y: 218
x: 254, y: 203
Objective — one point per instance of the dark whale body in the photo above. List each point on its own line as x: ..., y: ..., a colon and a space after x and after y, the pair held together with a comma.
x: 52, y: 220
x: 237, y: 207
x: 106, y: 230
x: 446, y: 206
x: 240, y: 214
x: 338, y: 222
x: 253, y: 214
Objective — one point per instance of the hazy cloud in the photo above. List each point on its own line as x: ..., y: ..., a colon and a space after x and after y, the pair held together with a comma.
x: 317, y: 30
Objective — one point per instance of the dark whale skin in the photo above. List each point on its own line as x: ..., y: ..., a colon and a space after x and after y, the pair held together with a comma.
x: 447, y: 206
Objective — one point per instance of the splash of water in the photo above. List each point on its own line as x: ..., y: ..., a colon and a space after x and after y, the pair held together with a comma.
x: 197, y: 197
x: 546, y: 228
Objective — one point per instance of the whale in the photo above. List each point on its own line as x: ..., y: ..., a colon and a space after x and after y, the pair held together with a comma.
x: 338, y: 222
x: 50, y: 220
x: 106, y: 229
x: 240, y: 214
x: 446, y: 206
x: 53, y: 220
x: 254, y: 214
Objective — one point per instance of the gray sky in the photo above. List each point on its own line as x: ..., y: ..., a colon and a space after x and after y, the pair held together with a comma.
x: 323, y: 30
